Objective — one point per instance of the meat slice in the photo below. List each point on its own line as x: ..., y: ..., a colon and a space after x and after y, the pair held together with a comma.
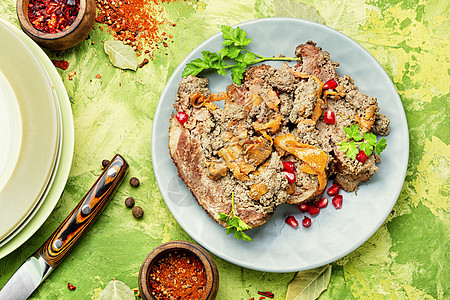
x: 315, y: 61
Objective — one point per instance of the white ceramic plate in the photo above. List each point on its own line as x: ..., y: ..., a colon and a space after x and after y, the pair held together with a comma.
x: 32, y: 172
x: 52, y: 177
x: 277, y: 247
x: 54, y: 191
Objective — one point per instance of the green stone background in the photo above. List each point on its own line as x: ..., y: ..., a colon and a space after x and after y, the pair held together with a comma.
x: 407, y: 258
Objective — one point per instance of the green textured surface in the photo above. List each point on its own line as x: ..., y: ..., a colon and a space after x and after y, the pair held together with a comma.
x: 407, y: 258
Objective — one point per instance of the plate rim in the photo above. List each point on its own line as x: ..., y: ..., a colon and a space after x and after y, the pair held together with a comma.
x: 155, y: 154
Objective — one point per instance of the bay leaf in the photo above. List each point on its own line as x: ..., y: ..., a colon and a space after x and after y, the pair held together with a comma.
x: 308, y: 285
x: 296, y: 9
x: 116, y: 290
x: 121, y: 56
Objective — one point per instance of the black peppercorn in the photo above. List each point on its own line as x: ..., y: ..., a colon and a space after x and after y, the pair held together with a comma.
x: 134, y: 182
x: 138, y: 212
x: 105, y: 163
x: 129, y: 202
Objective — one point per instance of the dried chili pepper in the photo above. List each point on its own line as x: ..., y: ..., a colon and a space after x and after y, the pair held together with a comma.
x: 177, y: 275
x: 52, y: 16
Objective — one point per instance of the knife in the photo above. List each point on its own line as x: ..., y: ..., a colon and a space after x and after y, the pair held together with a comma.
x: 39, y: 265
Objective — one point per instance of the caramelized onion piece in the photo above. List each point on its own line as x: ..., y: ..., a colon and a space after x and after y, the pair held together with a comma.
x: 257, y: 190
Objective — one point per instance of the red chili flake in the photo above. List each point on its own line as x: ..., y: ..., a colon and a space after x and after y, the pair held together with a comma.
x: 267, y: 294
x: 177, y: 275
x: 71, y: 287
x: 63, y: 64
x: 98, y: 76
x: 52, y: 16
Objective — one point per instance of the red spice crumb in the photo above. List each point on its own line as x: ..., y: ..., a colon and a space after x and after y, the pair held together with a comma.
x: 98, y: 76
x: 267, y: 294
x: 63, y: 64
x: 260, y: 298
x: 71, y: 287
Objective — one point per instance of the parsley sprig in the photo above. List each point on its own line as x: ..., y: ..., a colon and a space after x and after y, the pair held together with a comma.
x: 232, y: 56
x: 366, y: 143
x: 234, y: 224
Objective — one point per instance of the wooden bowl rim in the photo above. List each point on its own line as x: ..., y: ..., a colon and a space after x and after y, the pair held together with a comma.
x: 22, y: 12
x: 204, y: 257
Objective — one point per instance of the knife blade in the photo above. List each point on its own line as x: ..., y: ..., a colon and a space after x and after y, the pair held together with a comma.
x: 39, y: 265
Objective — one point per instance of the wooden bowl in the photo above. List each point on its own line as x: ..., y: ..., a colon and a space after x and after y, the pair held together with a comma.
x: 210, y: 268
x: 68, y: 38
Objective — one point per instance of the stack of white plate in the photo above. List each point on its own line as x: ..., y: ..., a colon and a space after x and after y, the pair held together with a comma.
x: 36, y: 137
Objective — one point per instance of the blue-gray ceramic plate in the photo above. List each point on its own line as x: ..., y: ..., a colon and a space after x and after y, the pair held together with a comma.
x: 277, y: 247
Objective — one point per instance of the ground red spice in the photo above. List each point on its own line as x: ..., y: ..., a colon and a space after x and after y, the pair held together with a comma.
x: 52, y: 16
x: 177, y: 275
x: 138, y: 23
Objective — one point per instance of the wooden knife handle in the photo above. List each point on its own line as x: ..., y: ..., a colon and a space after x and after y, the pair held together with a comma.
x: 85, y: 213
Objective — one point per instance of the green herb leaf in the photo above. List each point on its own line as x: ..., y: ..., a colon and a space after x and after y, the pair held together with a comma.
x: 237, y: 73
x: 353, y: 132
x: 352, y: 150
x: 121, y: 56
x: 368, y: 143
x: 380, y: 146
x: 344, y: 146
x: 234, y: 41
x: 194, y: 67
x: 367, y: 148
x: 370, y: 138
x: 235, y: 225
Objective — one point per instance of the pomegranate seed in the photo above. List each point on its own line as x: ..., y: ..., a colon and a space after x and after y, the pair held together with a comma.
x: 333, y: 190
x: 306, y: 222
x: 361, y: 157
x: 289, y: 166
x: 291, y: 221
x: 182, y: 117
x: 337, y: 201
x: 322, y: 203
x: 71, y: 286
x: 290, y: 176
x: 329, y: 117
x: 313, y: 210
x: 330, y: 84
x: 303, y: 206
